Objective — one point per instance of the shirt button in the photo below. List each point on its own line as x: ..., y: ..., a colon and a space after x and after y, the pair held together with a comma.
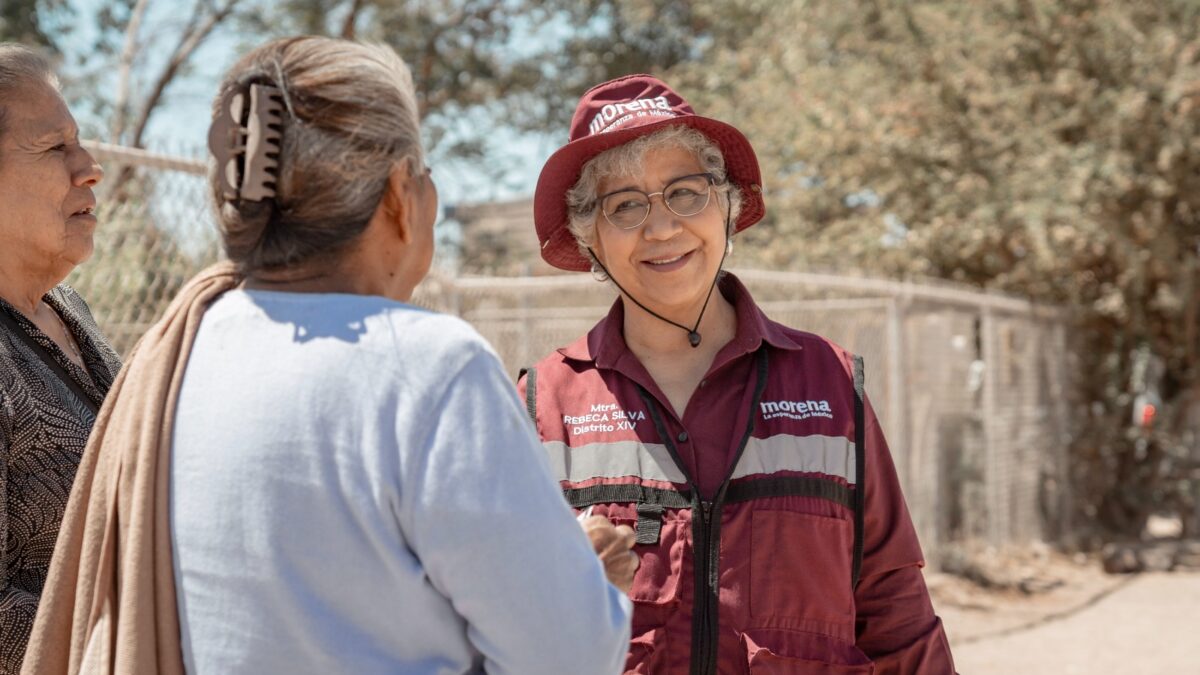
x: 683, y: 437
x: 703, y: 383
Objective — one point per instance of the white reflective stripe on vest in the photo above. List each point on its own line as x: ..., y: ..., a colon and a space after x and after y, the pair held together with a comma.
x: 650, y: 461
x: 830, y: 455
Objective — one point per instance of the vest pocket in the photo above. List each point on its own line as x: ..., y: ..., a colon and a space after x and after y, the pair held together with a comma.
x: 800, y: 569
x: 773, y: 652
x: 656, y: 581
x: 647, y: 649
x: 656, y: 587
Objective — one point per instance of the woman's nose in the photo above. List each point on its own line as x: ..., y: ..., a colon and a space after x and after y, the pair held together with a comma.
x: 90, y: 172
x: 661, y: 223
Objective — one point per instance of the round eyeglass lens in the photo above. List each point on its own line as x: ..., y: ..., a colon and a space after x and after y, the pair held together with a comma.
x: 684, y: 197
x: 687, y: 196
x: 626, y: 209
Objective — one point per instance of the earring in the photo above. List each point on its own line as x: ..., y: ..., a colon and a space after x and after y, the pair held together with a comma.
x: 598, y: 274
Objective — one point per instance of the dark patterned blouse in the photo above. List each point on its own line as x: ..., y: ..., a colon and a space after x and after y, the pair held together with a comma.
x: 43, y: 430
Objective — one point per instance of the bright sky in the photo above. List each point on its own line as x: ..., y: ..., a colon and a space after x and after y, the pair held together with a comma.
x: 181, y: 123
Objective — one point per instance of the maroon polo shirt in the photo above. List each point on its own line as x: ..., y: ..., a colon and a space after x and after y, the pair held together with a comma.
x: 784, y: 577
x: 704, y: 435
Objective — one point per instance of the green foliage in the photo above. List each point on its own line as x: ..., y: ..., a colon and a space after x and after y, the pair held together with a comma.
x: 481, y: 65
x: 1045, y: 147
x: 520, y: 63
x: 26, y: 20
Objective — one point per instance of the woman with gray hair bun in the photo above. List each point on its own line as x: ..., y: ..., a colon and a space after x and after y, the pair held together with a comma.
x: 298, y: 472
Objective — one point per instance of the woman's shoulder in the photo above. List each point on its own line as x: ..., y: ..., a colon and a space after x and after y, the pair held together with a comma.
x: 442, y: 338
x: 575, y: 356
x: 430, y: 324
x: 366, y: 321
x: 70, y: 299
x: 811, y: 345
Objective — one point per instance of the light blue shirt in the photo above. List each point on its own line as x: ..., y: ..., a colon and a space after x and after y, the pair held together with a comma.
x: 355, y: 489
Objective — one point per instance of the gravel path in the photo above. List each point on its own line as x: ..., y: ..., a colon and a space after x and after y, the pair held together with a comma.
x: 1149, y: 625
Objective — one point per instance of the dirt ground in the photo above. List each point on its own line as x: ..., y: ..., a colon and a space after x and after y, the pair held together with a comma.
x: 1077, y: 619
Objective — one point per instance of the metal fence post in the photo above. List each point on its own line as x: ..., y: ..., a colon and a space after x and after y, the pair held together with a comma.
x: 523, y: 330
x: 897, y: 399
x: 993, y: 486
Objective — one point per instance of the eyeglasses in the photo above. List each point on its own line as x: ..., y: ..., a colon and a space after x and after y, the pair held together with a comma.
x: 686, y: 196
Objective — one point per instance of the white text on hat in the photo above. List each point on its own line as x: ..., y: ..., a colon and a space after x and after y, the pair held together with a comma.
x: 611, y: 111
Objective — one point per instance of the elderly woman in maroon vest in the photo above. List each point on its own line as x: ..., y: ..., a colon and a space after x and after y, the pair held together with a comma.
x: 771, y: 528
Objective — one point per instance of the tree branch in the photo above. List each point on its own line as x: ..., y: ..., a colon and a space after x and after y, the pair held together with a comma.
x: 191, y: 40
x: 125, y: 71
x: 348, y: 24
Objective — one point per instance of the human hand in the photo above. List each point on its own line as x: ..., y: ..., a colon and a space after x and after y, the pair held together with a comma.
x: 614, y: 547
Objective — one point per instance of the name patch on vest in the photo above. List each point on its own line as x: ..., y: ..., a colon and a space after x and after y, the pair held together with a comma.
x: 603, y: 418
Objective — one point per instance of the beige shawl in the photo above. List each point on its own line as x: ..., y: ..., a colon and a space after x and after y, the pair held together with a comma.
x: 109, y: 602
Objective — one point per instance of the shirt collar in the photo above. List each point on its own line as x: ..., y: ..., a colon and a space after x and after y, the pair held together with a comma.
x: 605, y: 344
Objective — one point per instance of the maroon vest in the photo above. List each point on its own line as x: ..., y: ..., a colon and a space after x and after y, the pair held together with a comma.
x: 758, y: 577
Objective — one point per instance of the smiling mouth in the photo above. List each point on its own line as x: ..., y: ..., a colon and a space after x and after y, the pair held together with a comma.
x: 667, y: 261
x: 85, y: 211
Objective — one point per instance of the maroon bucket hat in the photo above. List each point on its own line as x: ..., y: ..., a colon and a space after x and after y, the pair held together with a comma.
x: 614, y: 113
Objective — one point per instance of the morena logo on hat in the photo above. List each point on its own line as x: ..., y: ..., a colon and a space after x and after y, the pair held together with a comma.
x: 626, y: 103
x: 616, y: 112
x: 614, y: 116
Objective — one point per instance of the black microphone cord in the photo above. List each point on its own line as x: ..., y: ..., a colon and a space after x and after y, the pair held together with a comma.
x: 693, y: 332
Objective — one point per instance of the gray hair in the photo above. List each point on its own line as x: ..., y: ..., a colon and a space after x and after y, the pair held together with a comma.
x: 19, y: 67
x: 351, y: 117
x: 629, y: 160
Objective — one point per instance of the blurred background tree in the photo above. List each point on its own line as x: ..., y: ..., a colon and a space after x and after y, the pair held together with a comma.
x: 482, y: 65
x: 26, y: 21
x: 1045, y: 147
x: 478, y: 65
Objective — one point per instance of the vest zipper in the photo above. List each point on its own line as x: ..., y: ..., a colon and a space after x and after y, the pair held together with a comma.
x: 707, y: 557
x: 706, y: 532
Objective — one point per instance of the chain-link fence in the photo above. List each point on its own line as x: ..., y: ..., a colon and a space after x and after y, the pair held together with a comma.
x: 156, y: 230
x: 971, y: 387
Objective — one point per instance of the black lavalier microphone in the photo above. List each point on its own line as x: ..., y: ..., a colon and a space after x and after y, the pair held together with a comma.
x: 693, y: 333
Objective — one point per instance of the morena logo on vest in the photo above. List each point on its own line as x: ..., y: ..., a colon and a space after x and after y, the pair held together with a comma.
x: 797, y: 410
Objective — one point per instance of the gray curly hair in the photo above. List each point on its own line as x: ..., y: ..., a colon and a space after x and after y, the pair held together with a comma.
x: 629, y: 160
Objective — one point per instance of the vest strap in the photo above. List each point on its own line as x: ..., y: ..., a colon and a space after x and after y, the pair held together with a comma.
x: 860, y: 463
x: 581, y: 498
x: 530, y: 375
x: 649, y: 523
x: 790, y: 486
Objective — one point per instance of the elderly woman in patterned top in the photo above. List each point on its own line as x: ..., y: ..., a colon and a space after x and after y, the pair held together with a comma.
x: 55, y: 367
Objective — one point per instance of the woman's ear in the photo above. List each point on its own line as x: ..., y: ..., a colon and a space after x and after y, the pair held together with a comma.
x: 396, y: 205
